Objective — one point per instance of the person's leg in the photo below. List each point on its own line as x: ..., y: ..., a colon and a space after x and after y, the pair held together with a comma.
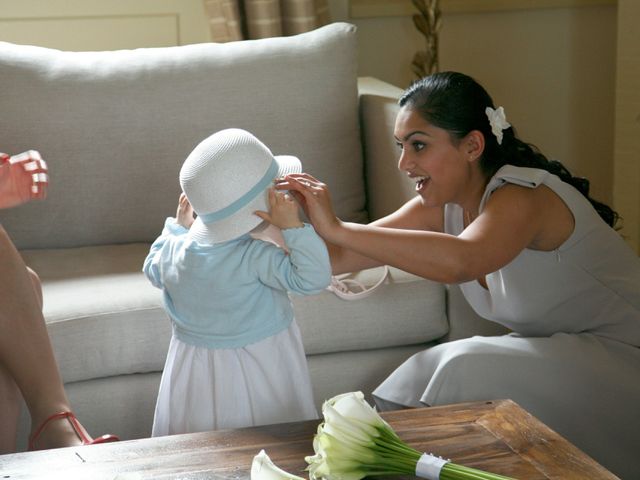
x: 37, y: 286
x: 26, y: 354
x: 9, y: 411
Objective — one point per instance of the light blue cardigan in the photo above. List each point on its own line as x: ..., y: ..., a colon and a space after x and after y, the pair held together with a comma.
x: 231, y: 294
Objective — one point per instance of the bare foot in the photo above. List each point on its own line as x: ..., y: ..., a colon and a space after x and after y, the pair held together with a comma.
x: 184, y: 214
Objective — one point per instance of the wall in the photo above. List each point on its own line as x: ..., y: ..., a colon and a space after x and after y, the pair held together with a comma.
x: 553, y: 70
x: 627, y: 138
x: 103, y: 25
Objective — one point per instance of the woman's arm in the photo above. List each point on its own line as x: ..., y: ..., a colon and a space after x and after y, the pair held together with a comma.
x: 511, y: 220
x: 413, y: 215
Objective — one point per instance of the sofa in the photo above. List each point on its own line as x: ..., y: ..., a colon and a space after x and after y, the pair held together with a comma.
x: 115, y: 128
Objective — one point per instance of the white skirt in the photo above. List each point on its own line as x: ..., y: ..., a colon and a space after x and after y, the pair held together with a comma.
x: 212, y: 389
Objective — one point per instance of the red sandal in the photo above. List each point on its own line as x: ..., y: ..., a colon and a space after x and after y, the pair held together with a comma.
x: 76, y: 426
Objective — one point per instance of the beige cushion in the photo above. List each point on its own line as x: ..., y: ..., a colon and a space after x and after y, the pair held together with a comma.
x: 125, y: 404
x: 105, y: 318
x: 116, y: 126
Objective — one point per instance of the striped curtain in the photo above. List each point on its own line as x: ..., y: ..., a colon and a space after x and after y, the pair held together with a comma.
x: 231, y: 20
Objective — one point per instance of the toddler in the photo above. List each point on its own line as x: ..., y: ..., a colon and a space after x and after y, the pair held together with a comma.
x: 236, y: 357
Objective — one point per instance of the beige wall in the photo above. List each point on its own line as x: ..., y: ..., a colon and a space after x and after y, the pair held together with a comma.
x: 552, y: 69
x: 626, y: 191
x: 103, y: 25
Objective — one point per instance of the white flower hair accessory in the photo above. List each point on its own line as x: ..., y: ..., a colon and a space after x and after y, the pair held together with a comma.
x: 498, y: 122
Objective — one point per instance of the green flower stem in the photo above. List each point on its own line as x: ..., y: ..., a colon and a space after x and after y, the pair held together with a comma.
x: 392, y: 458
x: 407, y: 463
x: 395, y: 464
x: 392, y: 442
x: 389, y: 445
x: 452, y: 471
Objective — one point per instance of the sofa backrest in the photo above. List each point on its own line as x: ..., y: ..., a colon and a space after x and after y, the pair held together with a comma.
x: 116, y: 126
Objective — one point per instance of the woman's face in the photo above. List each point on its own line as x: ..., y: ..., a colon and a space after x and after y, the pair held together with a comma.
x: 440, y: 169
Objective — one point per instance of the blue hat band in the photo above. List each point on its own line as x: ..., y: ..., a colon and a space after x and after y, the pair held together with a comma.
x: 244, y: 199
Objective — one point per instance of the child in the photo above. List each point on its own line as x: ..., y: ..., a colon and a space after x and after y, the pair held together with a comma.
x: 236, y: 357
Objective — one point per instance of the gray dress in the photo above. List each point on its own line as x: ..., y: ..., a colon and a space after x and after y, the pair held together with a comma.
x: 573, y: 359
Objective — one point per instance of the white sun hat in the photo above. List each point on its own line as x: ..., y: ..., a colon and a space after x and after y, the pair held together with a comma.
x: 226, y: 179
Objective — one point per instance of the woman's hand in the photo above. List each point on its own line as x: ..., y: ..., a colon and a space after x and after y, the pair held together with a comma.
x: 184, y: 213
x: 23, y: 177
x: 283, y: 211
x: 315, y: 199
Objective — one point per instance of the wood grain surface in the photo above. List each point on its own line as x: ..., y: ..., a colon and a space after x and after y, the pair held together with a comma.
x: 496, y: 436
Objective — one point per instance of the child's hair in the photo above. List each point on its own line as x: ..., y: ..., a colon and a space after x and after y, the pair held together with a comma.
x: 456, y: 102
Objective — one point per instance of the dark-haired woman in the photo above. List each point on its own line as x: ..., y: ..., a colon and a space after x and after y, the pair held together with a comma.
x: 530, y: 251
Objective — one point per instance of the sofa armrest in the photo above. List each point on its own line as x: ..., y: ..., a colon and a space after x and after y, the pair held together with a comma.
x: 387, y: 188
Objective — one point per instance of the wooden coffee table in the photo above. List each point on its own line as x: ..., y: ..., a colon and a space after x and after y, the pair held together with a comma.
x: 496, y: 436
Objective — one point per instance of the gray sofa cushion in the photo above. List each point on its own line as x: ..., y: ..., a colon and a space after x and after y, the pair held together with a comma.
x: 106, y: 319
x: 128, y: 401
x: 116, y: 126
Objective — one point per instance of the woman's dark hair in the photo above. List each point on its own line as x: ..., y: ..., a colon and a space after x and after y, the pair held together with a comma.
x: 456, y: 102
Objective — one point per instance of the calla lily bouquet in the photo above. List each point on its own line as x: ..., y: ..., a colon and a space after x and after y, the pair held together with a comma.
x: 355, y: 442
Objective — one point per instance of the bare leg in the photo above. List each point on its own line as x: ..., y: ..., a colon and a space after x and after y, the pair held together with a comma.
x: 37, y: 286
x: 9, y: 411
x: 26, y: 355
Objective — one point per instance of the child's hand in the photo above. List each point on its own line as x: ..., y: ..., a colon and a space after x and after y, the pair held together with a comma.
x: 184, y: 214
x: 283, y: 211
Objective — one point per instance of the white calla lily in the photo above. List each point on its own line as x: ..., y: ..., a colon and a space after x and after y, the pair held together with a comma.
x: 354, y: 406
x: 340, y: 426
x: 262, y: 468
x: 354, y: 442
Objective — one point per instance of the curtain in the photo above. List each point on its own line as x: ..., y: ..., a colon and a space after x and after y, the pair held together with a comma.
x: 231, y: 20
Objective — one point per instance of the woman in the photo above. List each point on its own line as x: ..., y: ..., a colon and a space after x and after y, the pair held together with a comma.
x: 529, y: 249
x: 27, y: 362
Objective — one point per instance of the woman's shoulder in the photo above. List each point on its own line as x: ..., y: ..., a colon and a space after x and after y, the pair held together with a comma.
x: 535, y: 197
x: 522, y: 176
x: 511, y: 185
